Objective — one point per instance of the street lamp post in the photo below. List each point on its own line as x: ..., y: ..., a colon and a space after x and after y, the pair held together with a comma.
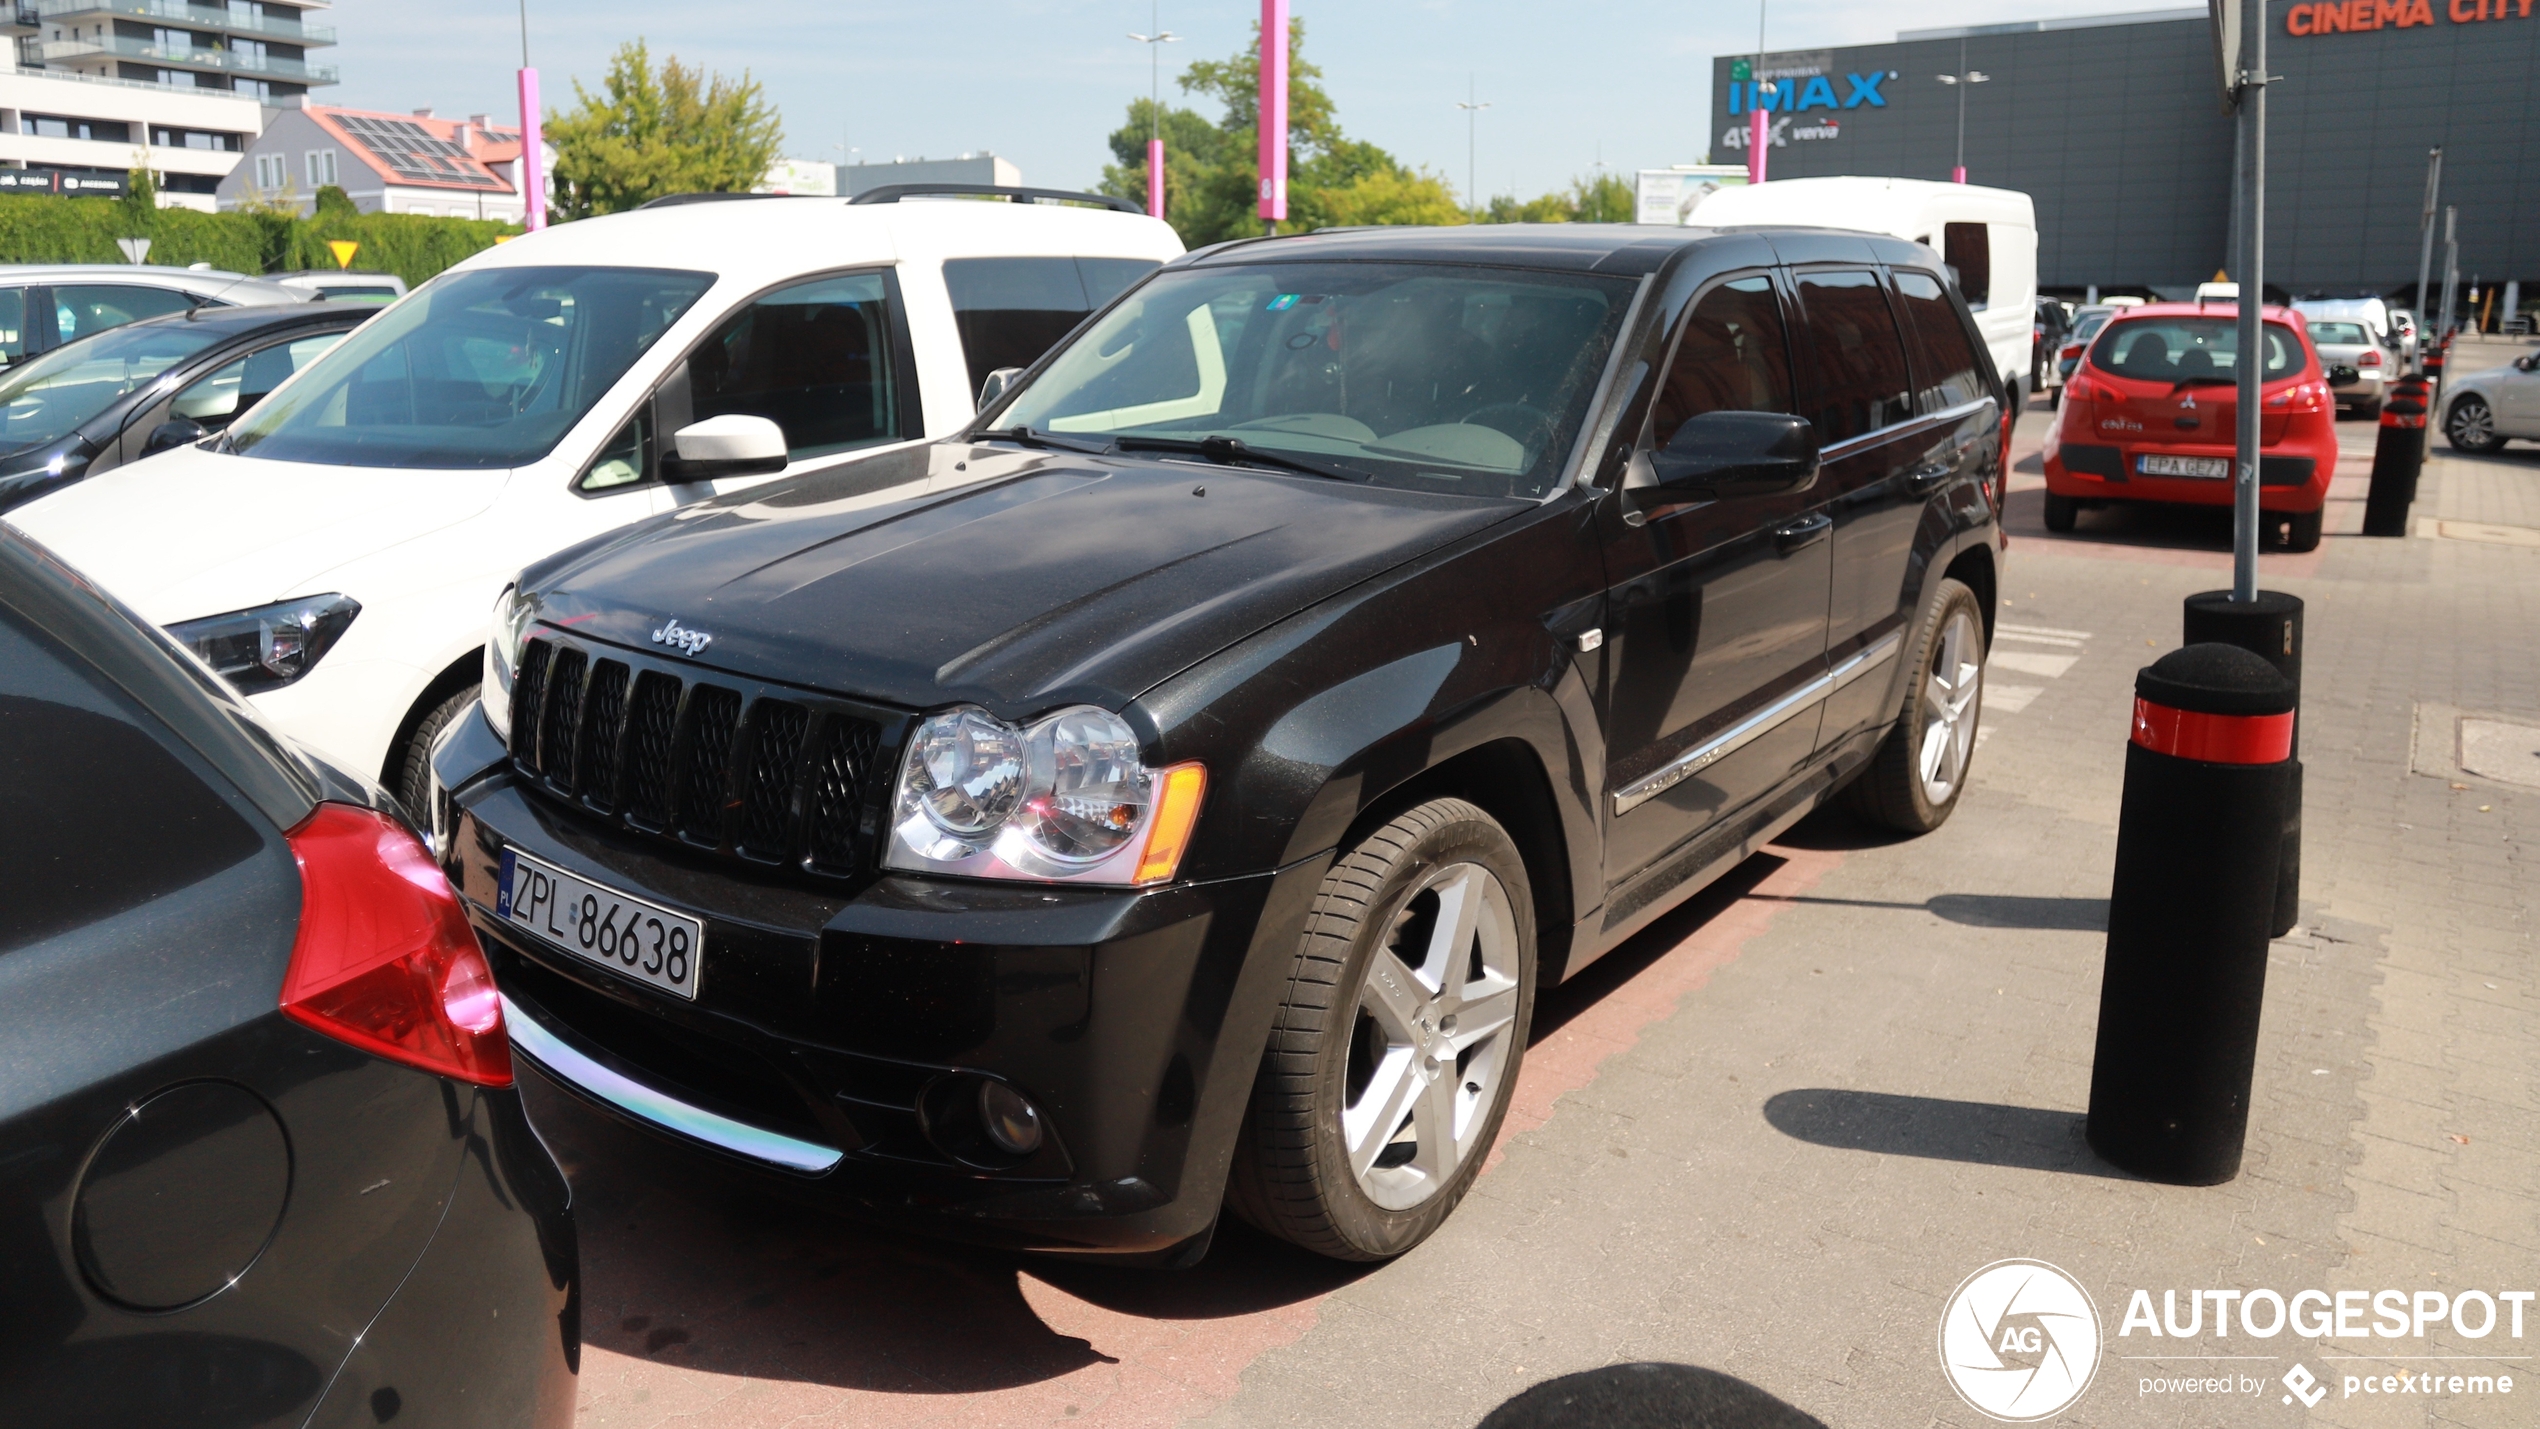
x: 1155, y: 108
x: 1472, y: 120
x: 1959, y: 82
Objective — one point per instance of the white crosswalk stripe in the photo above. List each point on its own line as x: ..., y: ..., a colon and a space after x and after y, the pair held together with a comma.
x: 2011, y: 699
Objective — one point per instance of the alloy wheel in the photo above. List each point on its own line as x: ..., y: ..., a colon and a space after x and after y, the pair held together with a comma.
x: 2472, y: 425
x: 1431, y: 1041
x: 1949, y: 708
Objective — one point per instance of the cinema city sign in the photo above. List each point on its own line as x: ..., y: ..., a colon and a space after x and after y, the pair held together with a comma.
x: 2347, y: 16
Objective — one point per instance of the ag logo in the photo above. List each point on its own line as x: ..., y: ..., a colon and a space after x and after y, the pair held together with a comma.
x: 2019, y: 1340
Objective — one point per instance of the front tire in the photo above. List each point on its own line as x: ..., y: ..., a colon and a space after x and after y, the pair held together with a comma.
x: 1913, y: 782
x: 1394, y: 1051
x: 2061, y: 512
x: 412, y: 759
x: 2471, y: 427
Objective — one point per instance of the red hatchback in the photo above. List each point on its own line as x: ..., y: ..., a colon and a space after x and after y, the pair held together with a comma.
x: 2150, y: 413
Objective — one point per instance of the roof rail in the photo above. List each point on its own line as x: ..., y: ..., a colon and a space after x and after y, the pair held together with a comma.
x: 893, y: 193
x: 681, y: 200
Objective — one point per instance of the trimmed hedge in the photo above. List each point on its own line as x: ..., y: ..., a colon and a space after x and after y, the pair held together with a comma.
x: 45, y: 228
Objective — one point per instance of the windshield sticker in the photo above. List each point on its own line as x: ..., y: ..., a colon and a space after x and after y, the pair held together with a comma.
x: 1285, y: 301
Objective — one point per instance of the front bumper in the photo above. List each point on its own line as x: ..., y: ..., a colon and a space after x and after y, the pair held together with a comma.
x: 835, y: 1023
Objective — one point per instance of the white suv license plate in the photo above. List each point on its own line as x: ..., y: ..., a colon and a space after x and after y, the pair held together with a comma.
x: 641, y: 940
x: 2209, y: 468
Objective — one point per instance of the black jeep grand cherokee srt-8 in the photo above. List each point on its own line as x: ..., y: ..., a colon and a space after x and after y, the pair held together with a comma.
x: 1171, y: 793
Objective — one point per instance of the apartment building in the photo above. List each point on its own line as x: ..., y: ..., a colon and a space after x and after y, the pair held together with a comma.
x: 99, y: 87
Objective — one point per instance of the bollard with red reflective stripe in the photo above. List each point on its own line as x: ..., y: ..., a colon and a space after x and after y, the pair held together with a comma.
x: 2199, y: 837
x: 2271, y: 628
x: 2396, y: 454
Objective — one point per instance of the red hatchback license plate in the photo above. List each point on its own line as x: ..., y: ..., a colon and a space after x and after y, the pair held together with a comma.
x: 2206, y: 468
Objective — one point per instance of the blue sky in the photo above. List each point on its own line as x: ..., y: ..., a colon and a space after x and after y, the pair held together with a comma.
x: 1042, y: 81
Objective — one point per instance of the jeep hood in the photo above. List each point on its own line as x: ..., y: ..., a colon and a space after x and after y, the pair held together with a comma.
x: 1018, y: 580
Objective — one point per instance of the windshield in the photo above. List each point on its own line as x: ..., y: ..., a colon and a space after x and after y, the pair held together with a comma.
x: 479, y: 369
x: 1436, y: 378
x: 2190, y: 349
x: 47, y: 399
x: 2349, y: 334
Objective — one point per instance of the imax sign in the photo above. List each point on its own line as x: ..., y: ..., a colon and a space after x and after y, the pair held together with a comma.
x: 1796, y: 95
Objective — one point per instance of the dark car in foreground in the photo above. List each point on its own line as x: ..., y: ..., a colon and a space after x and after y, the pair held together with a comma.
x: 1172, y: 792
x: 130, y: 391
x: 261, y: 1158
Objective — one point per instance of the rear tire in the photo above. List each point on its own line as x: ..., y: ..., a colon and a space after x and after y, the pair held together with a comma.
x: 1394, y: 1051
x: 1914, y: 780
x: 2302, y: 529
x: 2060, y: 513
x: 412, y: 760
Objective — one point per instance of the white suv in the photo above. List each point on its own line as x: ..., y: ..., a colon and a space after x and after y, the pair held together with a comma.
x: 336, y: 553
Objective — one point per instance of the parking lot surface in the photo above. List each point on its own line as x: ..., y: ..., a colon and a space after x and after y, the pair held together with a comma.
x: 1771, y: 1135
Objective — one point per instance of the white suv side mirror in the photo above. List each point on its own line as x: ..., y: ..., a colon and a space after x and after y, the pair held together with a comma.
x: 733, y: 444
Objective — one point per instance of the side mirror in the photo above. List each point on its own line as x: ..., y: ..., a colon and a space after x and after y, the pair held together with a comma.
x: 2530, y: 363
x: 996, y: 385
x: 733, y: 444
x: 1722, y: 454
x: 181, y: 431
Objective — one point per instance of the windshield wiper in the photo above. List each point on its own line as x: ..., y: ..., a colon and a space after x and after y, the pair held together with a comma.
x: 1047, y: 441
x: 1227, y: 451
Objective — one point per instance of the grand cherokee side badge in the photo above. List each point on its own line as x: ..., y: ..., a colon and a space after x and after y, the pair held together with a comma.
x: 686, y: 642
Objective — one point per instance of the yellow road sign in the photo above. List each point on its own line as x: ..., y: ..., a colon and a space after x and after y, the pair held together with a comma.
x: 343, y: 249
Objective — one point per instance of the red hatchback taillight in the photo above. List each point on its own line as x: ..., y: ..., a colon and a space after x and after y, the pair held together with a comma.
x: 385, y: 959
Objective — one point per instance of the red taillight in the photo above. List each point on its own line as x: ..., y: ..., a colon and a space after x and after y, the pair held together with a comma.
x: 385, y: 959
x: 2071, y: 353
x: 2002, y: 466
x: 2369, y: 359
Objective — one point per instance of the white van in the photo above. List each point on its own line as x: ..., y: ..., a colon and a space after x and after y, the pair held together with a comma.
x: 1988, y: 236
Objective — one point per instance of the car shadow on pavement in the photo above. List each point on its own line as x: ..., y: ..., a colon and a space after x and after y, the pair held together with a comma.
x: 1934, y: 1128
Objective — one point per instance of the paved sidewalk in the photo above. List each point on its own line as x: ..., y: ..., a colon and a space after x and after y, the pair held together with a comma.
x: 1773, y: 1134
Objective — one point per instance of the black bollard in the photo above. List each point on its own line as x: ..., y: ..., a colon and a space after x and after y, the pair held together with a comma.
x: 2206, y: 777
x: 2270, y: 626
x: 2396, y: 455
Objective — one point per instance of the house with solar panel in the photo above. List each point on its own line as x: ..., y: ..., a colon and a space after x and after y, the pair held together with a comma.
x: 386, y: 163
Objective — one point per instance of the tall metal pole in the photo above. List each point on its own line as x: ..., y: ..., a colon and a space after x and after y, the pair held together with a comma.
x: 2252, y: 358
x: 1759, y: 127
x: 1472, y: 121
x: 2451, y: 267
x: 1960, y: 84
x: 1155, y: 108
x: 2425, y: 254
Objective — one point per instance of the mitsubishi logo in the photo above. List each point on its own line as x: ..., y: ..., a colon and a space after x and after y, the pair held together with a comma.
x: 2187, y: 403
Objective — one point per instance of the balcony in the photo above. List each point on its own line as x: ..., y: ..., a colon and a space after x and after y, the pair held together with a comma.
x: 20, y: 19
x: 177, y: 12
x: 217, y: 61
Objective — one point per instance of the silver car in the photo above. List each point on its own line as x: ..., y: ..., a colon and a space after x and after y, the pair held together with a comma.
x: 2483, y: 409
x: 43, y: 305
x: 2356, y: 361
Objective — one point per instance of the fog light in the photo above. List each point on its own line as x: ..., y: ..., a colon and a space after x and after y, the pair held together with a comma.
x: 1013, y: 1124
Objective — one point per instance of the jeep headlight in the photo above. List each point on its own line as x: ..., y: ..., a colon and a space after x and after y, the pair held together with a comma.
x: 1062, y: 799
x: 502, y: 658
x: 272, y: 645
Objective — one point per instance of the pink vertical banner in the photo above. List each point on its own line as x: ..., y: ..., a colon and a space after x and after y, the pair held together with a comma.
x: 1274, y: 109
x: 533, y: 154
x: 1759, y: 132
x: 1155, y: 178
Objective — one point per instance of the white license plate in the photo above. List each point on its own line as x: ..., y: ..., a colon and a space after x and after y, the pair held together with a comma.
x: 2211, y: 468
x: 641, y: 940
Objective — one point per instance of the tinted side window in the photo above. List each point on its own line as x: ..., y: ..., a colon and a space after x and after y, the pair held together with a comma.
x: 1968, y: 247
x: 80, y: 310
x: 96, y: 814
x: 815, y: 359
x: 1945, y: 365
x: 1011, y: 310
x: 1732, y: 357
x: 1856, y: 376
x: 12, y: 324
x: 215, y: 399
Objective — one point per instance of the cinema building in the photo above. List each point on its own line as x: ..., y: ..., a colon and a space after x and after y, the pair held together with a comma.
x: 2114, y: 125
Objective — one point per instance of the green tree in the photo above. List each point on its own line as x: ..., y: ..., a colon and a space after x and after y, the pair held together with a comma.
x: 652, y: 132
x: 1212, y: 171
x: 1603, y: 199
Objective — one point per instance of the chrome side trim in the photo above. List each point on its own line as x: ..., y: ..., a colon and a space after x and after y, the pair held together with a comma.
x: 1862, y: 662
x: 1736, y: 737
x: 661, y: 1109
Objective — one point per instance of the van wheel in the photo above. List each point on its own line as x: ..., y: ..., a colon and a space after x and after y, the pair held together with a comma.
x: 1914, y: 780
x: 2060, y: 512
x: 412, y: 760
x: 1392, y: 1056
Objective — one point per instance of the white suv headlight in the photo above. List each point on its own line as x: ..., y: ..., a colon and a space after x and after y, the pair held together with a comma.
x: 502, y: 658
x: 1063, y: 799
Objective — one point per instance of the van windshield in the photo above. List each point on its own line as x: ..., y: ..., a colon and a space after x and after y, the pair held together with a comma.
x: 479, y: 369
x: 1419, y: 375
x: 2190, y: 350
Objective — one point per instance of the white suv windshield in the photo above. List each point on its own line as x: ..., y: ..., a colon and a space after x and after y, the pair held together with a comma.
x: 1429, y: 376
x: 482, y: 369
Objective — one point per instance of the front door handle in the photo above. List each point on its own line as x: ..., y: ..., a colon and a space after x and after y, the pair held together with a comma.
x: 1922, y: 481
x: 1799, y: 535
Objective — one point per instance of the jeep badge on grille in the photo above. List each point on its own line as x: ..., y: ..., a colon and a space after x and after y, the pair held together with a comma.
x: 686, y: 642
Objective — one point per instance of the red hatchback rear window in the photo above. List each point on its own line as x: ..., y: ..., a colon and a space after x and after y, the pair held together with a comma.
x: 2189, y: 349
